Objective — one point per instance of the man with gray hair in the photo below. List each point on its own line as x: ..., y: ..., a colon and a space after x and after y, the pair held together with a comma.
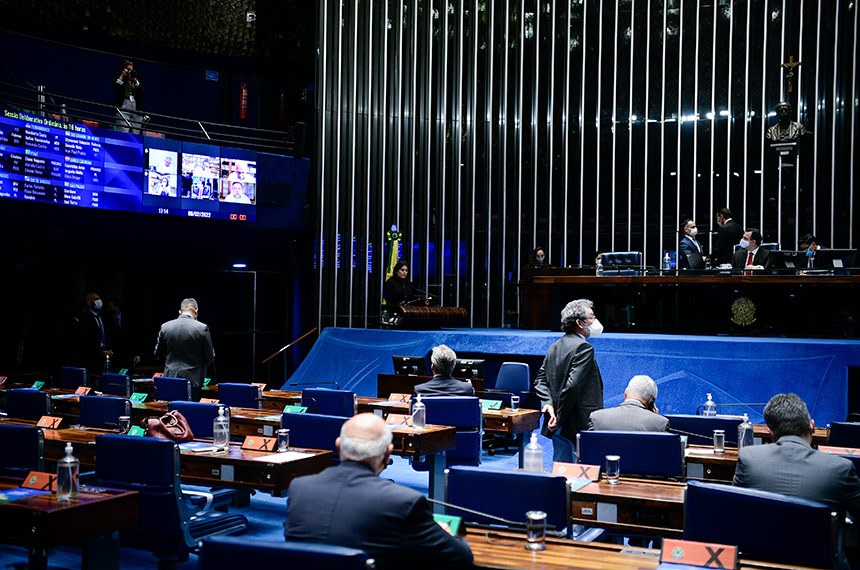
x: 186, y: 347
x: 350, y: 505
x: 638, y: 411
x: 442, y: 361
x: 569, y: 383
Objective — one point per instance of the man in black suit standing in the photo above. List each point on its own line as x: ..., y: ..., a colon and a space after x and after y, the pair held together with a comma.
x: 93, y: 335
x: 442, y: 362
x: 751, y: 255
x: 728, y: 236
x: 350, y: 505
x: 186, y: 347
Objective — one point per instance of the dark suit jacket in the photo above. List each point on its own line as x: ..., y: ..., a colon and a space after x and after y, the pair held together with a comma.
x: 687, y: 247
x: 569, y: 379
x: 445, y: 386
x: 630, y: 415
x: 727, y: 237
x: 791, y: 467
x: 349, y: 505
x: 90, y: 352
x: 186, y: 346
x: 762, y: 257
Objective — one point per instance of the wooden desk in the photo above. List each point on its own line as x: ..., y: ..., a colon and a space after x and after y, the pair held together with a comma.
x: 705, y: 465
x: 819, y: 435
x: 636, y: 506
x: 42, y: 522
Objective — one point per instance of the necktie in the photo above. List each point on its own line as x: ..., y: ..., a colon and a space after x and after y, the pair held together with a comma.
x: 749, y: 262
x: 811, y: 260
x: 102, y: 339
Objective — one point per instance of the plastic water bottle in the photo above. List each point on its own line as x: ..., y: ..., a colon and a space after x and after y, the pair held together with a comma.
x: 709, y: 408
x: 419, y: 413
x: 107, y: 363
x: 667, y: 262
x: 745, y: 433
x: 68, y: 469
x: 221, y: 430
x: 533, y: 455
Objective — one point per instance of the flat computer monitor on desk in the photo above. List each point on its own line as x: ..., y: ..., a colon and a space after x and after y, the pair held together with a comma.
x: 469, y: 368
x: 409, y: 365
x: 837, y: 261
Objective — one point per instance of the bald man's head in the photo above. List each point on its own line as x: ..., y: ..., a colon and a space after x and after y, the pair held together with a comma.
x: 366, y: 439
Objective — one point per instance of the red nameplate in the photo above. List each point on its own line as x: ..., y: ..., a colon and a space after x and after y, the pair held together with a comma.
x: 2, y: 379
x: 157, y: 374
x: 210, y: 401
x: 701, y: 554
x: 49, y: 422
x: 40, y: 481
x: 256, y: 443
x: 839, y: 450
x: 394, y: 397
x: 576, y: 470
x: 83, y: 390
x: 399, y: 420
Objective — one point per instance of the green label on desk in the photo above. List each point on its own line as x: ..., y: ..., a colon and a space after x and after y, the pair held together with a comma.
x: 138, y: 397
x: 123, y: 371
x: 136, y: 430
x: 37, y: 385
x: 491, y: 404
x: 295, y: 409
x: 450, y: 520
x: 206, y: 381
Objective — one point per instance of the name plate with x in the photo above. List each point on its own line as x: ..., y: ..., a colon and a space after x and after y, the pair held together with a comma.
x: 691, y: 554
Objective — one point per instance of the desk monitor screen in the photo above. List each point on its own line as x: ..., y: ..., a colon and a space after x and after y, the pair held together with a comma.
x: 835, y: 258
x: 786, y: 259
x: 409, y: 365
x: 468, y: 369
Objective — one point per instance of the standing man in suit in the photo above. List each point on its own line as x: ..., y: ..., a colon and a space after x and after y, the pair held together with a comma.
x: 569, y: 383
x: 751, y: 255
x: 638, y: 411
x: 186, y: 347
x: 728, y: 236
x: 791, y: 467
x: 442, y: 362
x: 692, y: 254
x: 93, y: 335
x: 350, y: 505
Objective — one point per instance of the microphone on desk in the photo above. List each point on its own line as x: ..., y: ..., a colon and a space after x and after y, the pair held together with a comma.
x: 336, y: 385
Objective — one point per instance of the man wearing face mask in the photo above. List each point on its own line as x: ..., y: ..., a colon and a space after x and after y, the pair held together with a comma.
x: 809, y: 245
x: 93, y: 335
x: 728, y: 235
x: 569, y: 383
x: 692, y: 254
x: 751, y: 256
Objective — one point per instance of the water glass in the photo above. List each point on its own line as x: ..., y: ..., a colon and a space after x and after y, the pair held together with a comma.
x: 613, y: 469
x: 124, y: 424
x: 719, y: 441
x: 535, y: 530
x: 283, y: 439
x: 515, y: 402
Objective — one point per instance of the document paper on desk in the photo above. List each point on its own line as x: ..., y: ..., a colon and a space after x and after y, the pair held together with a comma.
x: 16, y: 494
x: 282, y: 457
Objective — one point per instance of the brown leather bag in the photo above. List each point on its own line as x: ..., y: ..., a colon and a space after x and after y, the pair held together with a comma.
x: 172, y: 426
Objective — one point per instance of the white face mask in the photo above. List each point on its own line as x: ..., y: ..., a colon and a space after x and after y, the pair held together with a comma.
x: 745, y: 243
x: 97, y: 305
x: 595, y: 330
x: 693, y: 232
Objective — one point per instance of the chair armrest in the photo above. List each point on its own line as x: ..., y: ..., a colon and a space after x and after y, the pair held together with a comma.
x: 193, y: 497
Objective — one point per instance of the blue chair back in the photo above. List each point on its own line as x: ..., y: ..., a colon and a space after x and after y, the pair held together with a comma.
x: 844, y: 434
x: 116, y: 384
x: 655, y: 454
x: 103, y: 411
x: 227, y: 552
x: 464, y: 413
x: 169, y: 389
x: 508, y: 495
x: 329, y: 402
x: 726, y: 515
x: 315, y: 431
x: 200, y: 416
x: 167, y: 526
x: 71, y: 377
x: 23, y: 449
x: 240, y: 395
x: 700, y: 429
x: 27, y: 403
x: 513, y: 377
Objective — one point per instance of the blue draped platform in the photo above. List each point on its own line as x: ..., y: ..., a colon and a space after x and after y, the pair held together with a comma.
x: 735, y: 370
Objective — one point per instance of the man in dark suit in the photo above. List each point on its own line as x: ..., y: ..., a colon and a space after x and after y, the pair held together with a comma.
x: 751, y: 255
x: 791, y: 467
x: 728, y: 236
x: 442, y: 362
x: 93, y: 335
x: 569, y: 383
x: 350, y: 505
x: 691, y: 252
x: 638, y: 411
x: 186, y: 346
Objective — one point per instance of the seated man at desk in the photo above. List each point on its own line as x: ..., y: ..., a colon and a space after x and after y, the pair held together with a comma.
x: 442, y: 362
x: 751, y: 255
x: 350, y: 505
x: 638, y: 411
x: 791, y: 467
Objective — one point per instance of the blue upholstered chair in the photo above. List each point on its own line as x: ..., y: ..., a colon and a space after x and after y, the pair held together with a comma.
x: 329, y: 402
x: 844, y: 434
x: 228, y: 552
x: 513, y: 377
x: 315, y: 431
x: 27, y: 403
x: 200, y: 415
x: 508, y: 495
x: 655, y: 454
x: 464, y: 413
x: 103, y: 411
x: 23, y: 449
x: 71, y: 377
x: 168, y: 526
x: 116, y: 384
x: 700, y: 429
x: 240, y: 395
x: 795, y: 531
x: 169, y: 389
